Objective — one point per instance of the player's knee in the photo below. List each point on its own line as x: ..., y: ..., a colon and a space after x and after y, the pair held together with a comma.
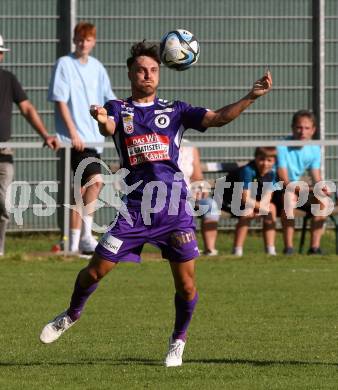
x: 94, y: 275
x: 98, y: 268
x: 187, y: 290
x: 87, y: 278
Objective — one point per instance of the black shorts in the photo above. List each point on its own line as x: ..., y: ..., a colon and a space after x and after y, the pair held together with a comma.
x: 93, y: 168
x: 76, y: 158
x: 277, y: 200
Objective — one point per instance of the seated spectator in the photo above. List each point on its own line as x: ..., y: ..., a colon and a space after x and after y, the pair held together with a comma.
x: 293, y: 162
x: 190, y: 164
x: 254, y: 198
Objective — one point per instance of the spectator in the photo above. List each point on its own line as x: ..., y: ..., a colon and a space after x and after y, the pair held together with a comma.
x: 190, y: 164
x: 256, y: 200
x: 292, y: 165
x: 11, y: 91
x: 78, y: 81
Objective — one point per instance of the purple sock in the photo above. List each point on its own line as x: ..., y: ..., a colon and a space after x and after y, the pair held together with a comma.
x: 184, y: 311
x: 79, y: 298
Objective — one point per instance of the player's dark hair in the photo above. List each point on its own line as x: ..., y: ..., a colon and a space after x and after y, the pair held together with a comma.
x: 143, y: 49
x: 266, y: 151
x: 301, y: 114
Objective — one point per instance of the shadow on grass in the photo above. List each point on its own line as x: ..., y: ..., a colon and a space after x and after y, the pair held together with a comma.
x: 150, y: 362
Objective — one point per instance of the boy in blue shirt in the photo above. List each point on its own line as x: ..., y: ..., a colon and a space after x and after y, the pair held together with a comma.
x: 254, y: 186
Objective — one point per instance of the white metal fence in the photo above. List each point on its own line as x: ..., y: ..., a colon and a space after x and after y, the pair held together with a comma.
x: 22, y: 199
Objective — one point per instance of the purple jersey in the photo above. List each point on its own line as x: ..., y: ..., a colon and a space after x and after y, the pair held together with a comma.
x: 148, y: 138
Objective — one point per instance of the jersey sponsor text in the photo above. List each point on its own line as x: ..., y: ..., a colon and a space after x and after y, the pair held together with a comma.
x: 147, y: 148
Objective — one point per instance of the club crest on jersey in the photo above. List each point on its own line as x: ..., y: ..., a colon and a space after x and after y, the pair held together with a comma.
x: 162, y: 121
x: 128, y: 123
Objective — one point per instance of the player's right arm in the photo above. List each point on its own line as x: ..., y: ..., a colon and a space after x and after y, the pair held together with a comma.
x: 106, y: 124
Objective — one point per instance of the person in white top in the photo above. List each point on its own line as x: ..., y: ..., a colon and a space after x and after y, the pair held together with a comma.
x: 78, y: 81
x: 190, y: 164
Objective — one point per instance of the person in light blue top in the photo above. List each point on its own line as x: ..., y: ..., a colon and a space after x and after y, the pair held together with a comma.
x: 298, y: 160
x: 79, y: 81
x: 292, y: 163
x: 79, y: 85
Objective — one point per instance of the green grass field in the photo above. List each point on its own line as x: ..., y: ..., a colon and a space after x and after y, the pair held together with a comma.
x: 261, y: 323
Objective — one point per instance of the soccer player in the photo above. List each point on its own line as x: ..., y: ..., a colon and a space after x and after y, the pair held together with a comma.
x: 147, y: 132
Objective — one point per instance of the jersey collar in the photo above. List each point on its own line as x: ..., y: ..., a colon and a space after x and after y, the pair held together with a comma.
x: 137, y: 104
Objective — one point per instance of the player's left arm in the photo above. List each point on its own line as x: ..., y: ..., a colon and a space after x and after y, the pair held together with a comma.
x: 228, y: 113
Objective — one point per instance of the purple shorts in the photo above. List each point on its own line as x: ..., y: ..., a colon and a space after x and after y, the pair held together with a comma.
x: 173, y: 234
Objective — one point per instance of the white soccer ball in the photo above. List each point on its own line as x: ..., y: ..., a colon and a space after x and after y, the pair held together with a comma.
x: 179, y: 49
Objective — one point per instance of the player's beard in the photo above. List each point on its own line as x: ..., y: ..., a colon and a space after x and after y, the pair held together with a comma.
x: 146, y: 90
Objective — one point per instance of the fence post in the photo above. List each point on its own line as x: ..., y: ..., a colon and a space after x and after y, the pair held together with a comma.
x: 65, y: 26
x: 318, y: 59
